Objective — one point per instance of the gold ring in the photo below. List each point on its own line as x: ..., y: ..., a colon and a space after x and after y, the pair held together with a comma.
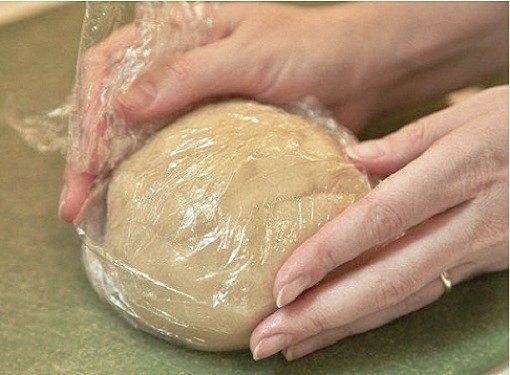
x: 446, y: 282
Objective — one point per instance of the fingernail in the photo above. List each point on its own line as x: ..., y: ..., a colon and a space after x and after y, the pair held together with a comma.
x: 279, y: 298
x: 62, y: 200
x: 365, y: 150
x: 256, y: 352
x: 288, y: 354
x: 289, y: 292
x: 138, y: 96
x: 271, y: 345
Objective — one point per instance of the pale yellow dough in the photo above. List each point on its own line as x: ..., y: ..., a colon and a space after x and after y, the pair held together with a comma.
x: 201, y: 218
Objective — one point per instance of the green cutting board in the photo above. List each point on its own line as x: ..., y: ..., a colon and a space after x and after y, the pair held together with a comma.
x: 52, y: 322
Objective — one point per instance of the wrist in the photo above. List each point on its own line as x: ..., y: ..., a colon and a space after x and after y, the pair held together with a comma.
x: 422, y: 50
x: 363, y: 66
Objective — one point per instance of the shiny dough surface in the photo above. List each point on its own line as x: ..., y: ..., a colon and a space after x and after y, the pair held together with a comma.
x: 200, y: 219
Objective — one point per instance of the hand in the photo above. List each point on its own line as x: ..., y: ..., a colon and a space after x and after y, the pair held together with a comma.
x: 359, y: 60
x: 272, y: 53
x: 97, y: 64
x: 447, y: 189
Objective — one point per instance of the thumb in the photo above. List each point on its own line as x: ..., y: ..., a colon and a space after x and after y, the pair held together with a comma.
x: 387, y: 155
x: 216, y: 69
x: 77, y: 186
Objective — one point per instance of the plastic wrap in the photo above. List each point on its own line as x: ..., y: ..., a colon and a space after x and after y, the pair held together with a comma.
x: 184, y: 237
x: 199, y: 220
x: 159, y: 30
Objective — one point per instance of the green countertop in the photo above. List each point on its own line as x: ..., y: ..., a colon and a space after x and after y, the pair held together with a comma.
x: 52, y: 322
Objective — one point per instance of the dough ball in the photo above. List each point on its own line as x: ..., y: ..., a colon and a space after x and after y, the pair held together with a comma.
x: 201, y: 218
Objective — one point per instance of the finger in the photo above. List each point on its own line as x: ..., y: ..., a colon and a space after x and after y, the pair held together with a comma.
x: 401, y: 201
x: 389, y: 154
x: 77, y: 186
x: 95, y: 69
x: 83, y: 160
x: 396, y: 272
x: 217, y: 69
x: 416, y: 301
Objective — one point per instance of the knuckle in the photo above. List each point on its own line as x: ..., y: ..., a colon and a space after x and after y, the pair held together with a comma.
x: 472, y: 167
x: 329, y: 260
x: 330, y: 256
x: 489, y: 233
x: 326, y: 252
x: 480, y: 167
x: 390, y: 291
x: 263, y: 80
x: 385, y: 221
x: 314, y: 323
x: 413, y: 134
x: 178, y: 70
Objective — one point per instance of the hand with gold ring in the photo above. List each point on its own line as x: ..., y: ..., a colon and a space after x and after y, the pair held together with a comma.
x: 448, y: 173
x: 447, y: 189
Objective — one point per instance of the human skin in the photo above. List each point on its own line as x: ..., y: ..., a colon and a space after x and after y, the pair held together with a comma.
x: 447, y: 183
x: 455, y: 218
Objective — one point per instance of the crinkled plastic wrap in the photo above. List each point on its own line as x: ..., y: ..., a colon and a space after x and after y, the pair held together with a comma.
x: 199, y: 220
x: 185, y: 236
x: 159, y: 30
